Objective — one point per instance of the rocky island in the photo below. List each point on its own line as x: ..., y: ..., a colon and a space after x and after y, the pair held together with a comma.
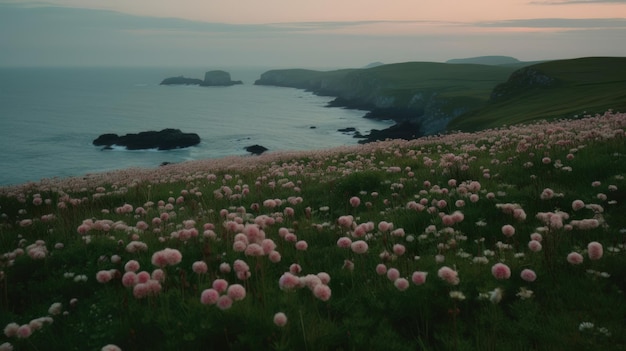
x: 216, y: 78
x: 166, y: 139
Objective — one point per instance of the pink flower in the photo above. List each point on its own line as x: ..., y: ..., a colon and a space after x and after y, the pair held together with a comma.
x: 508, y: 230
x: 528, y: 275
x: 288, y: 281
x: 359, y: 247
x: 322, y: 292
x: 254, y: 250
x: 240, y: 266
x: 141, y: 290
x: 129, y: 279
x: 534, y: 246
x: 224, y: 302
x: 324, y: 277
x: 381, y: 269
x: 239, y: 246
x: 345, y: 221
x: 209, y: 296
x: 393, y: 274
x: 199, y: 267
x: 166, y: 257
x: 501, y: 271
x: 220, y: 285
x: 236, y: 292
x: 274, y: 256
x: 574, y: 258
x: 449, y: 275
x: 110, y: 347
x: 23, y: 332
x: 419, y: 278
x: 385, y: 226
x: 268, y: 245
x: 158, y: 275
x: 295, y: 268
x: 344, y: 242
x: 225, y: 267
x: 280, y: 319
x: 103, y: 276
x: 355, y: 201
x: 141, y: 225
x: 578, y: 205
x: 401, y: 284
x: 594, y: 250
x: 10, y: 330
x: 399, y: 249
x: 301, y: 245
x: 143, y: 277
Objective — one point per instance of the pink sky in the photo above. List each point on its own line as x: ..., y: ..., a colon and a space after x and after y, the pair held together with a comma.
x: 319, y: 33
x: 280, y: 11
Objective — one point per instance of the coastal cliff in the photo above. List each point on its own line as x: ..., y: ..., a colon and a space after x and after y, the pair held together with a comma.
x: 427, y: 95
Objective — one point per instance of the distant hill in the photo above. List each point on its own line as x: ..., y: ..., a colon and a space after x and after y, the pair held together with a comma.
x: 487, y: 60
x: 549, y: 90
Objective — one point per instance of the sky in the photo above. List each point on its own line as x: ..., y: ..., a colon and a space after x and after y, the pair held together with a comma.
x: 299, y: 33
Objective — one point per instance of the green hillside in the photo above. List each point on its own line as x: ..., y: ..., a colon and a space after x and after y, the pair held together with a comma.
x: 470, y: 82
x: 549, y: 90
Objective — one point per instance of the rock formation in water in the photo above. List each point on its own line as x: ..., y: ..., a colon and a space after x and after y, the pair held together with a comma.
x: 256, y: 149
x: 166, y: 139
x: 214, y: 78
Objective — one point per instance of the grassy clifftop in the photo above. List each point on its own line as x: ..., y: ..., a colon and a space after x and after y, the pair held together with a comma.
x: 446, y: 96
x: 554, y: 89
x: 427, y: 93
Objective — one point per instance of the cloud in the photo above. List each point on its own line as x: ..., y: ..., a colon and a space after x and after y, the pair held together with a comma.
x: 565, y: 23
x: 577, y: 2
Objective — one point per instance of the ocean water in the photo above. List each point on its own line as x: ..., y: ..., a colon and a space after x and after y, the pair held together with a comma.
x: 50, y: 116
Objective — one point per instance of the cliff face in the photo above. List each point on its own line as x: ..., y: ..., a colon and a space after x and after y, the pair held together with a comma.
x: 367, y: 90
x: 525, y: 79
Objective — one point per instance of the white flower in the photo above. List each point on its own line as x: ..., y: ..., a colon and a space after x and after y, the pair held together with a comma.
x: 457, y: 295
x: 585, y: 326
x: 524, y: 293
x: 495, y: 296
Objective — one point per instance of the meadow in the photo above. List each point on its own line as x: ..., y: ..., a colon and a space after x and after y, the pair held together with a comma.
x: 511, y: 238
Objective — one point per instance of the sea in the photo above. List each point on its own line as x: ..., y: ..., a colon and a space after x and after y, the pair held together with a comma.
x: 50, y: 116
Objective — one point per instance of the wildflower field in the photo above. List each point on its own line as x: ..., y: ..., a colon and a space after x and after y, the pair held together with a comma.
x: 503, y: 239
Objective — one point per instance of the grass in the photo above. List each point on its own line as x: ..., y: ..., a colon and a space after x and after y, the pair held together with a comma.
x: 447, y: 198
x: 581, y: 86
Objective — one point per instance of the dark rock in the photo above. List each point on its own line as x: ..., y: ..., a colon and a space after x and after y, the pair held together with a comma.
x: 404, y: 130
x: 347, y: 130
x: 256, y: 149
x: 218, y: 78
x: 180, y: 80
x: 165, y: 139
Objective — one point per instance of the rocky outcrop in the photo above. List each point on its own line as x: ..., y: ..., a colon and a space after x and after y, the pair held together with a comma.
x: 218, y: 79
x: 215, y: 78
x: 165, y: 139
x: 524, y: 79
x: 256, y: 149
